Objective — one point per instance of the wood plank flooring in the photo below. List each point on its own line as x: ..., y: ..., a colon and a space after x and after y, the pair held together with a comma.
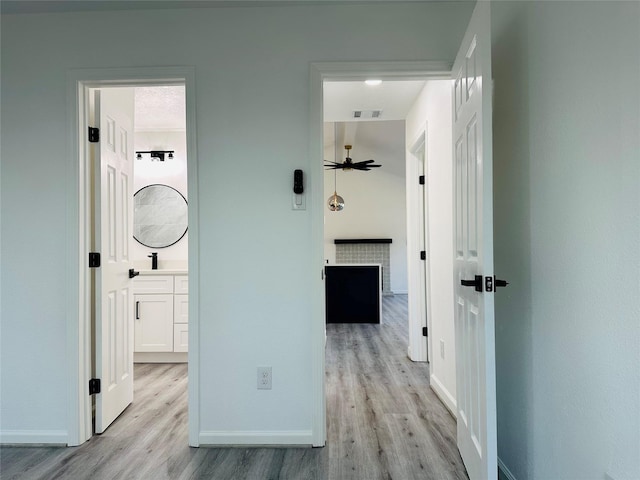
x: 383, y: 420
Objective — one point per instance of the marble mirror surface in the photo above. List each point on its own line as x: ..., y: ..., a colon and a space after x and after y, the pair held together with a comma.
x: 159, y: 216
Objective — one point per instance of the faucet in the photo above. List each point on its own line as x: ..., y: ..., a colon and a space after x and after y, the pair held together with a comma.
x: 154, y: 260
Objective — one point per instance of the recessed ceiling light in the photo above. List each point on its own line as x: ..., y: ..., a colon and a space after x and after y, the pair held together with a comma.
x: 373, y: 81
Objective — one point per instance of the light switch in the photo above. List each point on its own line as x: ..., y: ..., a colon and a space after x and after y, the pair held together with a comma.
x: 299, y: 202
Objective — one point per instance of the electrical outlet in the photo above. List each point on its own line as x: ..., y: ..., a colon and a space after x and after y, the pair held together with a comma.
x: 442, y: 349
x: 264, y: 378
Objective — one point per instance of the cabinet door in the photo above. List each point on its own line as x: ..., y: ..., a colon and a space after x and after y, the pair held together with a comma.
x: 153, y: 323
x: 181, y: 337
x: 181, y: 309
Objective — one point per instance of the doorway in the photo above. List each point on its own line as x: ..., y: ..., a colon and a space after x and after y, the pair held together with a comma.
x: 80, y: 85
x: 346, y: 72
x: 140, y: 228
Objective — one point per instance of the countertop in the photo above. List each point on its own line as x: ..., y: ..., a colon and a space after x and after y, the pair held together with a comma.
x: 164, y: 271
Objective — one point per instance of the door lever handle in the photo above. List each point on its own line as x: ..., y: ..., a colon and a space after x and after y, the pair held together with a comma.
x: 133, y: 273
x: 501, y: 283
x: 476, y: 282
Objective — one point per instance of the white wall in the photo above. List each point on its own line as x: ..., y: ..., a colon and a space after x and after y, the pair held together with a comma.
x: 172, y: 172
x: 252, y: 92
x: 375, y: 201
x: 432, y: 110
x: 567, y: 230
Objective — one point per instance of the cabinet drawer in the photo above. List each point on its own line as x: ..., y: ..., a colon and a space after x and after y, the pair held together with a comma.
x: 181, y: 337
x: 153, y: 284
x: 181, y: 309
x: 181, y: 284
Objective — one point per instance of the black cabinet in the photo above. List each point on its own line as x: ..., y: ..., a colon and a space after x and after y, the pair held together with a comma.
x: 352, y: 293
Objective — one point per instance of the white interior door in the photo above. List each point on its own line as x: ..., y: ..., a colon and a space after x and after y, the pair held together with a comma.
x: 114, y: 224
x: 474, y: 310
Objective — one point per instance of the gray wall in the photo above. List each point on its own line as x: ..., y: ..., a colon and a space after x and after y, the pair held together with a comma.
x: 252, y: 90
x: 567, y: 237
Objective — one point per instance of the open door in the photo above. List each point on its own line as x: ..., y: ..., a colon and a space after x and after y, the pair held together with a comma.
x: 114, y: 110
x: 473, y: 247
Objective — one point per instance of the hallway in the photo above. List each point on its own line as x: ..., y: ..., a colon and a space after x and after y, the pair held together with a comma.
x: 384, y: 422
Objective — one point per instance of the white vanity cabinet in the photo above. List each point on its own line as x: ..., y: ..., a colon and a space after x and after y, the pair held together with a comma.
x: 161, y: 330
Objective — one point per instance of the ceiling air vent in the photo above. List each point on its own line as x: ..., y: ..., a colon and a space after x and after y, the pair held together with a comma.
x: 367, y: 114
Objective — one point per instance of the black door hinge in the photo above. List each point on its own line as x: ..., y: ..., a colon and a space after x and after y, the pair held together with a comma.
x: 94, y: 386
x: 421, y: 179
x: 94, y: 259
x: 94, y: 135
x: 425, y: 332
x: 423, y: 255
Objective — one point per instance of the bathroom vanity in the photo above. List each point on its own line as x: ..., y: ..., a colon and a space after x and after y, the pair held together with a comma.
x: 161, y: 315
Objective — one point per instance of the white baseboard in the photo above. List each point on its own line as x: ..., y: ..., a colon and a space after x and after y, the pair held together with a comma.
x: 34, y: 437
x: 444, y: 395
x: 256, y: 438
x: 503, y: 468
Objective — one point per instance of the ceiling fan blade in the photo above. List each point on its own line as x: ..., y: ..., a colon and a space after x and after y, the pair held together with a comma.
x: 365, y: 164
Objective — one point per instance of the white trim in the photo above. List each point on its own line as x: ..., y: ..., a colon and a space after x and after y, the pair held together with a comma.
x: 319, y: 73
x: 316, y: 208
x: 345, y: 71
x: 256, y: 438
x: 417, y: 285
x: 34, y: 437
x: 78, y: 215
x: 505, y: 471
x: 400, y: 292
x: 444, y: 395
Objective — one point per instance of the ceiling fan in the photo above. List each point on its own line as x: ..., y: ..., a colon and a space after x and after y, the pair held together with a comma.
x: 349, y: 164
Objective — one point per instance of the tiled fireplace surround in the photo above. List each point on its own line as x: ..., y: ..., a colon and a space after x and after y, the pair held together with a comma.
x: 367, y: 251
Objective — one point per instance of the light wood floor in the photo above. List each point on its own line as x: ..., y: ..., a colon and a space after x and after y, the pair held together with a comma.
x: 384, y: 422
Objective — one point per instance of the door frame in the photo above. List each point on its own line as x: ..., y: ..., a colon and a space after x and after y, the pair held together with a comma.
x: 79, y: 349
x: 419, y: 271
x: 319, y: 73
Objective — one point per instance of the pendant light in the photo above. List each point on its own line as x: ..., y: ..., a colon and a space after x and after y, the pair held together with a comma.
x: 335, y: 201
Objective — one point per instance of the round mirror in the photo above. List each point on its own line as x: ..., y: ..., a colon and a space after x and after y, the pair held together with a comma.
x: 159, y: 216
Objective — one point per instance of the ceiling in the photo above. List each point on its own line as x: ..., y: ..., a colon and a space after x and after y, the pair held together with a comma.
x: 392, y: 98
x: 160, y: 108
x: 59, y: 6
x: 383, y: 137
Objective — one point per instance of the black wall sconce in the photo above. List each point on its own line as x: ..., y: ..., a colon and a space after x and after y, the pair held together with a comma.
x: 156, y: 154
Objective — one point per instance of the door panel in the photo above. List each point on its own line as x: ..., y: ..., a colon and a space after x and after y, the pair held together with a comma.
x: 114, y: 296
x: 474, y: 313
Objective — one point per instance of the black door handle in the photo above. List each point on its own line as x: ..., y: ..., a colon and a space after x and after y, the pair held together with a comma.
x: 138, y: 310
x: 477, y: 283
x: 133, y: 273
x: 501, y: 283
